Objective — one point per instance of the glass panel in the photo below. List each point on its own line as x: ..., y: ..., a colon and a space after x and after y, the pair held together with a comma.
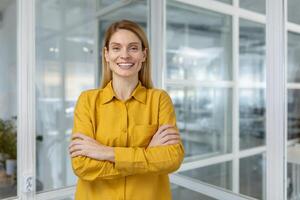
x: 252, y: 118
x: 293, y: 172
x: 104, y: 3
x: 65, y: 67
x: 293, y: 57
x: 252, y: 52
x: 219, y: 174
x: 293, y: 11
x: 199, y: 44
x: 204, y: 119
x: 179, y: 193
x: 293, y: 114
x: 252, y: 176
x: 8, y: 99
x: 225, y: 1
x: 254, y: 5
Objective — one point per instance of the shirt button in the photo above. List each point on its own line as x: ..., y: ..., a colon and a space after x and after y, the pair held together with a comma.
x: 124, y: 131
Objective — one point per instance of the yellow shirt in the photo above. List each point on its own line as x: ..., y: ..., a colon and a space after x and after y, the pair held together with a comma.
x: 139, y: 173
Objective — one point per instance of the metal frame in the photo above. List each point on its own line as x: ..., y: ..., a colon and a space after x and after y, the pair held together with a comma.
x: 157, y: 39
x: 26, y: 98
x: 204, y: 188
x: 276, y: 99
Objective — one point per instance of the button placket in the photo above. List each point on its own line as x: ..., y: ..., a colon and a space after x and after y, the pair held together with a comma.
x: 125, y: 119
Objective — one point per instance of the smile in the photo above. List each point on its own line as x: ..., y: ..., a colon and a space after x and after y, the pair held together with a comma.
x: 125, y: 65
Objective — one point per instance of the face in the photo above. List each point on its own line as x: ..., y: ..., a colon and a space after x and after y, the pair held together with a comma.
x: 125, y: 54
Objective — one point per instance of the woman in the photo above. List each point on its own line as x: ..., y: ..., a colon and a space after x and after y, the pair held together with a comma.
x: 125, y: 140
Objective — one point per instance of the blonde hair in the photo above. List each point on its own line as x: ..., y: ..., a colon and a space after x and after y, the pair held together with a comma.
x: 145, y: 71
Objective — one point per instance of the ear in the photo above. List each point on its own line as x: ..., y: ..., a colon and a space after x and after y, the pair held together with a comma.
x: 106, y: 54
x: 145, y: 54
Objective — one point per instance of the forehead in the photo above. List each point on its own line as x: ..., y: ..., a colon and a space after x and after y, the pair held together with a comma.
x: 123, y: 36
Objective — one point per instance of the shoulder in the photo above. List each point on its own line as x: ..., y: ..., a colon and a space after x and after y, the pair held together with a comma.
x: 91, y: 92
x: 159, y: 94
x: 89, y: 95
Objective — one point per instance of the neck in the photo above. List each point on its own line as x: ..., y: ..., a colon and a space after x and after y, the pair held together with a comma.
x: 124, y: 87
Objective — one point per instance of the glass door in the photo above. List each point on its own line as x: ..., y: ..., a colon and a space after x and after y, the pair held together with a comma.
x: 8, y: 99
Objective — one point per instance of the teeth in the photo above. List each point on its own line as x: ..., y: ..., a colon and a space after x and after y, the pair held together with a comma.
x: 125, y: 65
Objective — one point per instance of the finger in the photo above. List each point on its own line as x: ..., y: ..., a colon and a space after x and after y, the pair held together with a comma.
x: 77, y: 153
x: 170, y: 137
x: 80, y: 136
x: 77, y: 136
x: 76, y: 142
x: 168, y: 132
x: 76, y: 148
x: 170, y: 142
x: 164, y: 127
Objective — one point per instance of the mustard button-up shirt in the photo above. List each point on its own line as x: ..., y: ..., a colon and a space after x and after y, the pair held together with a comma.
x: 139, y: 173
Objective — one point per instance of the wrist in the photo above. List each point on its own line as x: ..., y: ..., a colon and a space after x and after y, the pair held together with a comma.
x: 110, y: 154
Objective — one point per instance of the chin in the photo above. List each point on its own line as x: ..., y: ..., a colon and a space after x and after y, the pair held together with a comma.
x: 126, y: 75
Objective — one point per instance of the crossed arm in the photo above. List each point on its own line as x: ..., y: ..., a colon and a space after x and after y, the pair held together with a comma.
x: 82, y: 145
x: 92, y: 160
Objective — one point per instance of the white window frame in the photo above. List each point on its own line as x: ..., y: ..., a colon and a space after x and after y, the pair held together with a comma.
x: 236, y: 13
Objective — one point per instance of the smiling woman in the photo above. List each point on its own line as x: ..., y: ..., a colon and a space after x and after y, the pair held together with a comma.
x: 125, y: 140
x: 126, y: 54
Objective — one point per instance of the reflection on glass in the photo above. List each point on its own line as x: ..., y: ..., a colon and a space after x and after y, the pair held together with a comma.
x: 252, y: 52
x: 65, y: 67
x: 252, y: 176
x: 293, y: 11
x: 225, y: 1
x: 199, y: 44
x: 254, y: 5
x: 293, y: 57
x: 180, y: 193
x: 293, y: 175
x: 252, y: 118
x: 293, y: 114
x: 218, y: 175
x: 104, y: 3
x: 204, y: 119
x: 8, y: 99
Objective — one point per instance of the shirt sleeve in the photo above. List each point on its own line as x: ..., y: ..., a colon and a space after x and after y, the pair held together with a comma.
x: 161, y: 159
x: 84, y: 167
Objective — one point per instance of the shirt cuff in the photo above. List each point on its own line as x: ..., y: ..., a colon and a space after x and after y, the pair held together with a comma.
x: 127, y: 158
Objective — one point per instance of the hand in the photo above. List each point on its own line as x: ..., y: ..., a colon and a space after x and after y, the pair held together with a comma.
x: 83, y: 145
x: 165, y: 135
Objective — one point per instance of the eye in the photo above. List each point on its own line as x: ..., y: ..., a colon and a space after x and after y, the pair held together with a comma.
x: 115, y: 48
x: 133, y: 48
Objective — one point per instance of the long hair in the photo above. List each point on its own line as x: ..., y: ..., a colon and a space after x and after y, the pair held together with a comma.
x: 145, y: 71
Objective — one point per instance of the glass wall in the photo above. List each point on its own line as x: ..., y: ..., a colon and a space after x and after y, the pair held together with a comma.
x: 293, y: 100
x: 8, y: 99
x: 65, y: 66
x: 254, y: 5
x: 207, y: 88
x: 251, y: 71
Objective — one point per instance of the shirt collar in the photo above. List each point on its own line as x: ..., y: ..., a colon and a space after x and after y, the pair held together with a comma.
x: 139, y: 93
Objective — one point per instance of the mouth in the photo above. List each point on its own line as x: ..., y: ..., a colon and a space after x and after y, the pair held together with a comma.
x: 125, y: 65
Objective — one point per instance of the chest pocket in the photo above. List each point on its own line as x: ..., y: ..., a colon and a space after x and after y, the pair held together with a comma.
x: 142, y: 135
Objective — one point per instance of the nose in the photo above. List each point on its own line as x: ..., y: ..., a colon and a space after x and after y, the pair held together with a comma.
x: 124, y: 53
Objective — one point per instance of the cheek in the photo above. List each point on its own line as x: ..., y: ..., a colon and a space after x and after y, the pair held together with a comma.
x: 110, y: 58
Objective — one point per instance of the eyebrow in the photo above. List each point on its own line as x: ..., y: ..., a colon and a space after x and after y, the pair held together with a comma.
x: 131, y: 43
